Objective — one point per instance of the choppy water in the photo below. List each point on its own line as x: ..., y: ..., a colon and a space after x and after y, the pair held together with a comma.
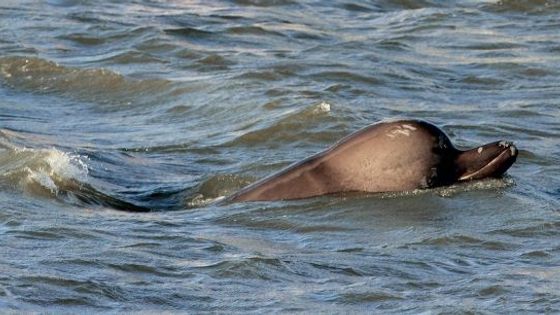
x: 166, y: 105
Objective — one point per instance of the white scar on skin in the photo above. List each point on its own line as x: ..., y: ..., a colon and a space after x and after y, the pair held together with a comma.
x: 504, y: 144
x: 480, y: 150
x: 403, y: 130
x: 409, y: 127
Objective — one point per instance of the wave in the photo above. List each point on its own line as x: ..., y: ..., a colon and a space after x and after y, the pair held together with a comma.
x: 525, y: 6
x: 289, y: 129
x: 215, y: 189
x: 54, y: 174
x: 40, y: 171
x: 38, y: 75
x: 264, y: 3
x: 458, y: 188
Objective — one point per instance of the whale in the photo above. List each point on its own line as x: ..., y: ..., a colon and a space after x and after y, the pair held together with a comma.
x: 389, y: 156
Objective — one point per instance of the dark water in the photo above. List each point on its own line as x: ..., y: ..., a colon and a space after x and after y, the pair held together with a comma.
x: 167, y: 105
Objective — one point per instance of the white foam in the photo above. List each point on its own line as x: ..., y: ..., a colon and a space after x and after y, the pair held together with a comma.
x: 483, y: 184
x: 200, y: 200
x: 457, y: 188
x: 324, y: 107
x: 47, y: 168
x: 42, y: 178
x: 67, y: 166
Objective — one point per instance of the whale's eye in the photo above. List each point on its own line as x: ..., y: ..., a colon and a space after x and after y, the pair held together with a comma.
x: 443, y: 142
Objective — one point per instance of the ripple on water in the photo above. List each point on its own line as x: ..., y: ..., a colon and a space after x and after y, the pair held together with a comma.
x: 465, y: 241
x: 264, y: 3
x: 536, y: 229
x: 67, y: 292
x: 42, y: 76
x: 527, y: 6
x: 288, y: 129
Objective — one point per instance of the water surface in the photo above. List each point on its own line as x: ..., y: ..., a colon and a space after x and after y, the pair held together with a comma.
x: 162, y: 106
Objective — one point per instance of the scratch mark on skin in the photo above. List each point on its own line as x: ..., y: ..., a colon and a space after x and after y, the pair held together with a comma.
x: 401, y: 130
x: 504, y: 144
x: 409, y: 127
x: 513, y: 150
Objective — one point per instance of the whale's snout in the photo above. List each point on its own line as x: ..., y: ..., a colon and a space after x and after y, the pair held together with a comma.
x: 490, y: 160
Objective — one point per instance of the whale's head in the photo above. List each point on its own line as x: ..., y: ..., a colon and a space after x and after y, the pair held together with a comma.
x: 442, y: 163
x: 490, y: 160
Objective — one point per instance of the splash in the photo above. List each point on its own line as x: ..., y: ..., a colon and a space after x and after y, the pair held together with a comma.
x: 323, y: 107
x: 199, y: 200
x: 484, y: 184
x: 215, y: 189
x: 40, y: 171
x: 452, y: 190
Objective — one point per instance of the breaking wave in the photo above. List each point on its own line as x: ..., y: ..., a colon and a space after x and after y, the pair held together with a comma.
x: 51, y: 173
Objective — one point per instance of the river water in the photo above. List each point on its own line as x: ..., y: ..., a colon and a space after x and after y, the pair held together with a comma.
x: 158, y: 108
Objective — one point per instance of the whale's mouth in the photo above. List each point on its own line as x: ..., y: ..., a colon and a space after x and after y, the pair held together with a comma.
x: 491, y: 160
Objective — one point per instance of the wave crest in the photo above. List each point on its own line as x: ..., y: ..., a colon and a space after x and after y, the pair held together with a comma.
x: 96, y: 85
x: 54, y: 174
x: 40, y: 171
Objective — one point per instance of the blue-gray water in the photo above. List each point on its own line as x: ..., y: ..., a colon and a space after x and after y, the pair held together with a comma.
x: 167, y: 105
